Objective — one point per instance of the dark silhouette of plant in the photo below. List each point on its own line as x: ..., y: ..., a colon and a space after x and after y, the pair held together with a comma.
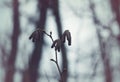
x: 35, y: 36
x: 43, y: 6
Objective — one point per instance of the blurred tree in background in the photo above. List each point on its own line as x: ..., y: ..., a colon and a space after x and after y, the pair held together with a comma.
x: 95, y: 52
x: 10, y: 64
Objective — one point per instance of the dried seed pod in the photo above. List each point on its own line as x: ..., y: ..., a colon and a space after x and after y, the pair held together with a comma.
x: 31, y: 35
x: 35, y: 36
x: 67, y: 35
x: 56, y: 44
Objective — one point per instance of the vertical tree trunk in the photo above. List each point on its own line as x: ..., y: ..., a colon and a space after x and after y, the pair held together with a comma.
x: 115, y: 4
x: 31, y: 74
x: 37, y: 52
x: 105, y: 59
x: 104, y: 55
x: 10, y: 69
x: 55, y: 8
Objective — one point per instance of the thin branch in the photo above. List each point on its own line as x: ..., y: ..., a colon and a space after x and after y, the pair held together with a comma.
x: 50, y: 35
x: 55, y: 61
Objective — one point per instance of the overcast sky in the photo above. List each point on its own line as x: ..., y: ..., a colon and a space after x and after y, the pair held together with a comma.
x: 75, y: 16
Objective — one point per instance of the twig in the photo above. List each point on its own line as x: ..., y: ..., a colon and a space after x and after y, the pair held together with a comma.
x: 58, y: 66
x: 50, y: 35
x: 55, y: 61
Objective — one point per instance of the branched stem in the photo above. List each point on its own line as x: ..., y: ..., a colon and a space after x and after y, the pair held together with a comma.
x: 58, y: 66
x: 55, y: 61
x: 49, y: 36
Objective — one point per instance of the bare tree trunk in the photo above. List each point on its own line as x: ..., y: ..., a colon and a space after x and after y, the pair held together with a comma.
x: 104, y: 55
x: 55, y: 9
x: 31, y: 74
x: 105, y: 59
x: 37, y: 52
x: 10, y: 69
x: 115, y: 4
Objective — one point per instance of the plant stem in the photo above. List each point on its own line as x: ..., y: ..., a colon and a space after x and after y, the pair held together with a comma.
x: 58, y: 64
x: 56, y: 61
x: 49, y: 36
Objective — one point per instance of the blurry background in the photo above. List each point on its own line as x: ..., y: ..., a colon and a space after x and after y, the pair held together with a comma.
x: 95, y: 52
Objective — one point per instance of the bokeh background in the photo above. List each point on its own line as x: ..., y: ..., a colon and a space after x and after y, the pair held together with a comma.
x: 94, y: 55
